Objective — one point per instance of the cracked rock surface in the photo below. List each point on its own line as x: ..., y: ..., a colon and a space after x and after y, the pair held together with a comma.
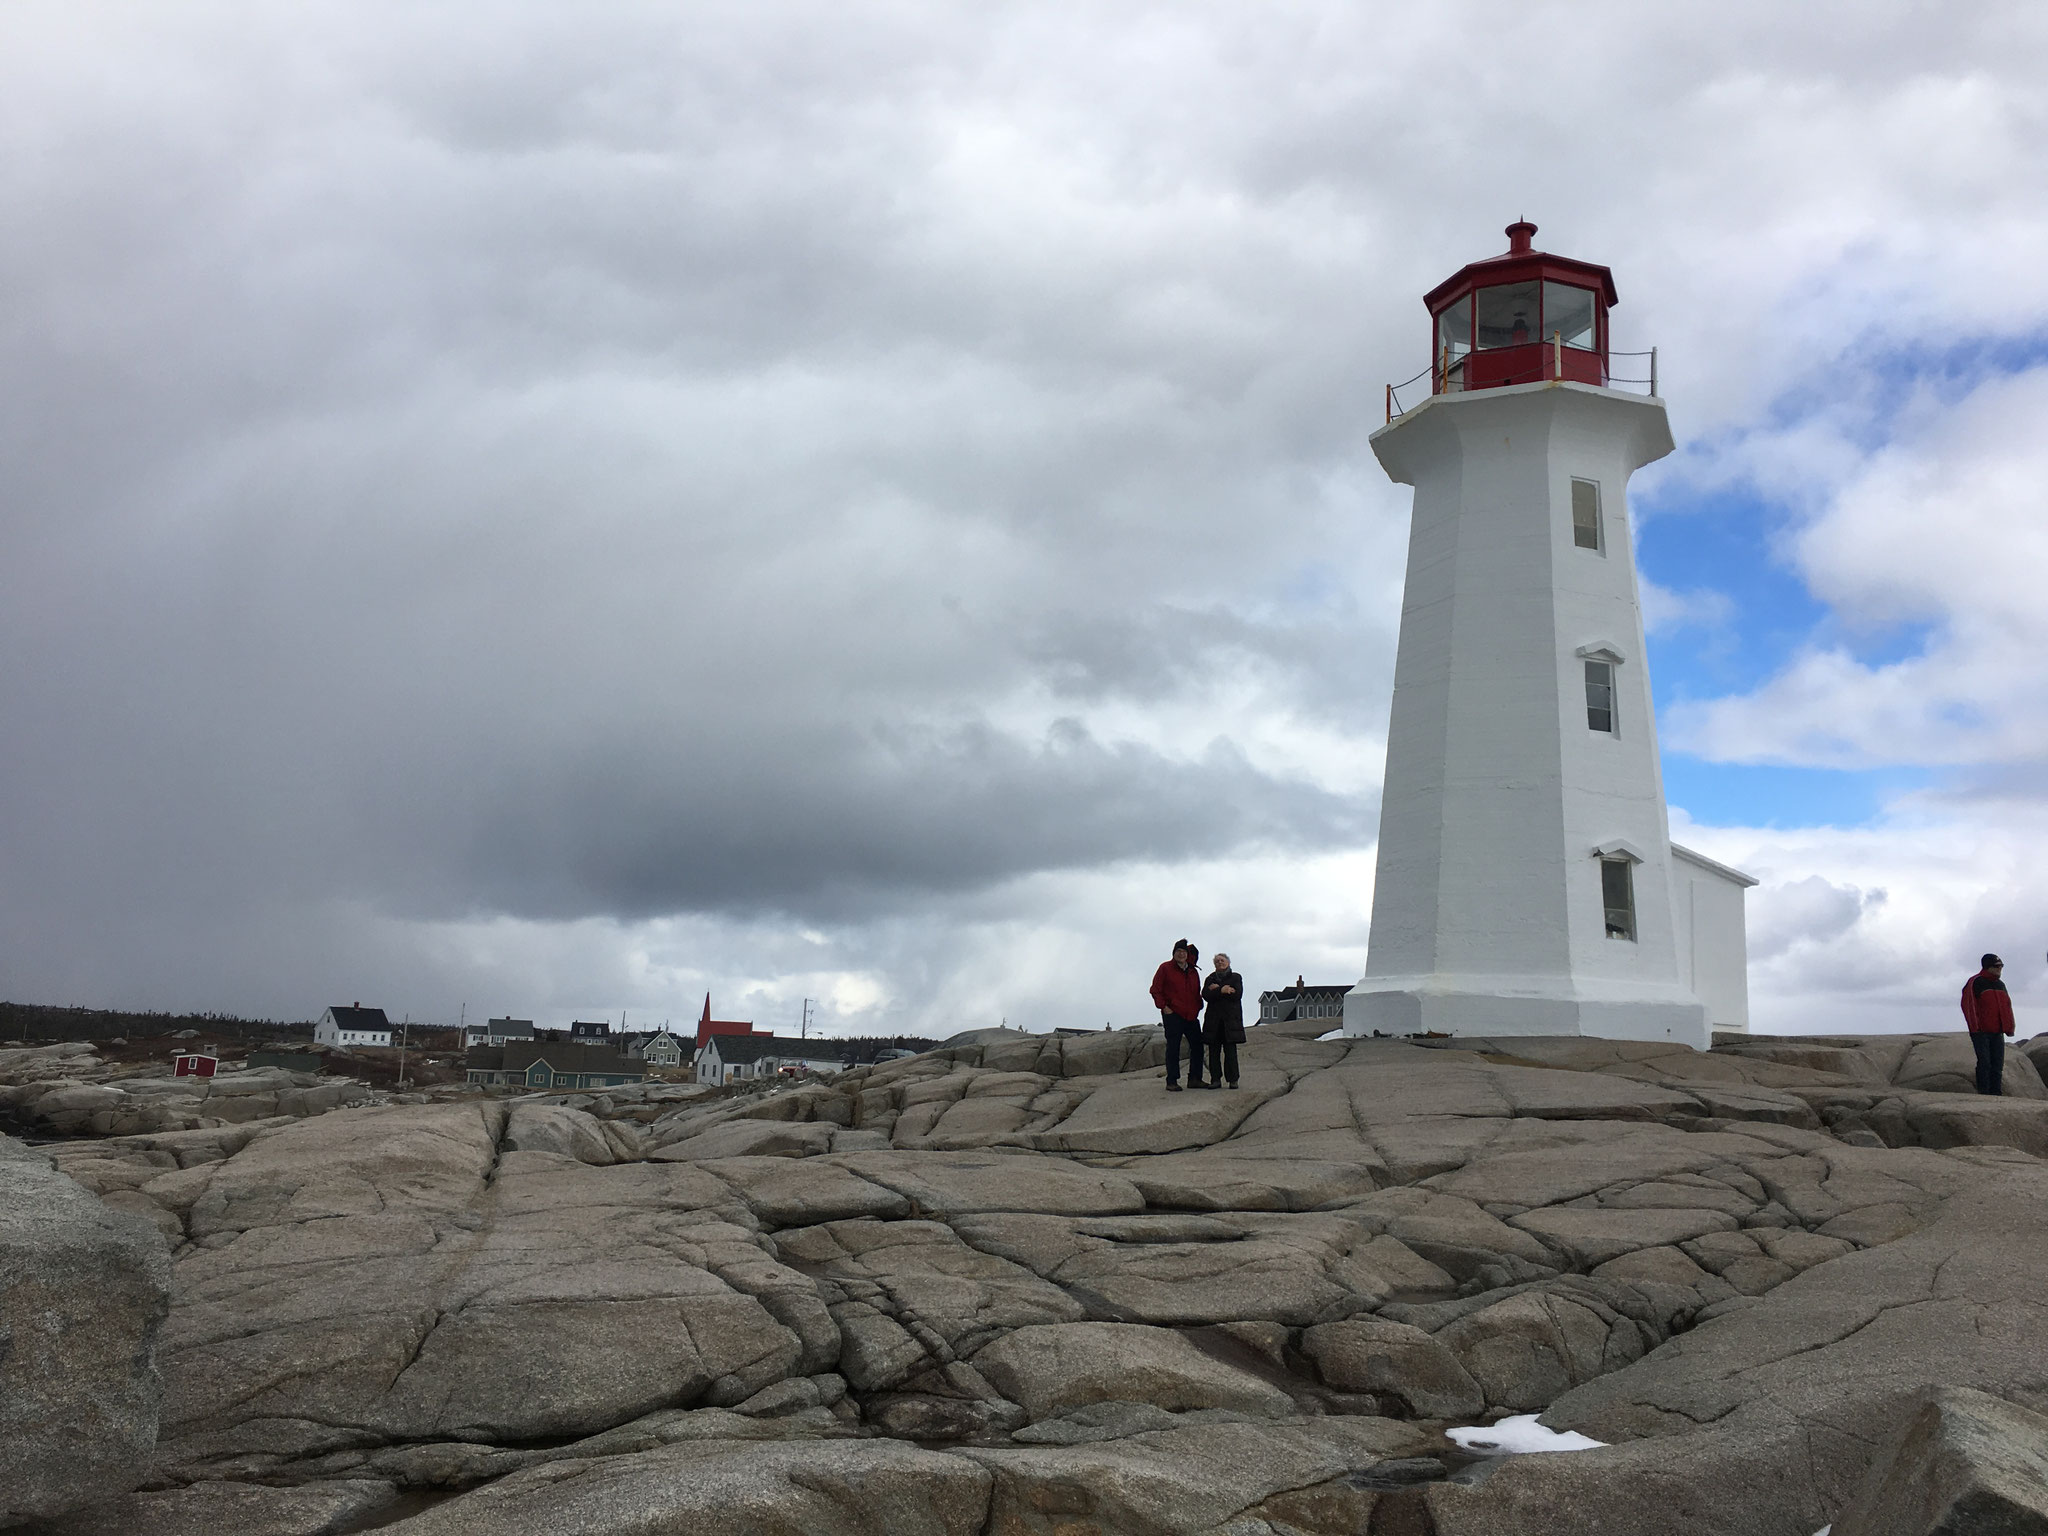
x: 1011, y: 1286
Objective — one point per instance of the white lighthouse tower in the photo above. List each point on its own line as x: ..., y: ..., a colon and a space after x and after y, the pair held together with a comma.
x: 1527, y: 881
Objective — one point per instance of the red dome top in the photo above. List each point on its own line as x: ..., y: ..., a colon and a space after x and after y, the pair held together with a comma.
x: 1521, y: 261
x: 1520, y: 318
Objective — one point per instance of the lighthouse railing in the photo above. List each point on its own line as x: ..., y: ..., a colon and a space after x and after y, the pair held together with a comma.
x: 1446, y: 374
x: 1399, y: 406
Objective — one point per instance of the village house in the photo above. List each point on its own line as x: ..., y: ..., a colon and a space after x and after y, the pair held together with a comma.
x: 498, y: 1032
x: 658, y: 1048
x: 353, y: 1025
x: 1301, y: 1001
x: 741, y: 1058
x: 734, y: 1058
x: 552, y: 1064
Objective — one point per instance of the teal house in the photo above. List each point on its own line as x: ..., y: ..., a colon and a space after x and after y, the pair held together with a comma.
x: 556, y: 1065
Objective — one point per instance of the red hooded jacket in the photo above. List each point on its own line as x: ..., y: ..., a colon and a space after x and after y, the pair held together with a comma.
x: 1987, y: 1006
x: 1178, y: 991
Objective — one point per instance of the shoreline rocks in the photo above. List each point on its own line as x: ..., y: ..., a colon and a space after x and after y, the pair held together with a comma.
x: 84, y: 1291
x: 1012, y: 1286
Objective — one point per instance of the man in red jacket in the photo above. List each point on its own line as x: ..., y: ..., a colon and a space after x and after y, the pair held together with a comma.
x: 1987, y: 1009
x: 1177, y: 994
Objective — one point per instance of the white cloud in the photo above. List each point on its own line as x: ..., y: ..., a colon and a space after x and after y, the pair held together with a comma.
x: 1666, y: 611
x: 1873, y: 929
x: 1940, y: 528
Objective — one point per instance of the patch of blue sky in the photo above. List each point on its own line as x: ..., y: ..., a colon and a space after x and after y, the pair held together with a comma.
x: 1729, y: 538
x: 1765, y: 795
x: 1883, y: 376
x: 1726, y: 540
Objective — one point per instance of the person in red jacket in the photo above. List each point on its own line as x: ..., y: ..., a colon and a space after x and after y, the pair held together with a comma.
x: 1987, y: 1009
x: 1177, y: 994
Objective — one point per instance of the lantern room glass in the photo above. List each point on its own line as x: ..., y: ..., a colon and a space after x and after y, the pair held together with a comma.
x: 1454, y: 330
x: 1568, y: 314
x: 1508, y: 315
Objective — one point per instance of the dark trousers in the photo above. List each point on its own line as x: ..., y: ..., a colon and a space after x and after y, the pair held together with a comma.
x: 1177, y: 1030
x: 1222, y: 1061
x: 1990, y: 1049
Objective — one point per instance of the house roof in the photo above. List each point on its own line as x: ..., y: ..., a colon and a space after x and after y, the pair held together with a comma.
x: 741, y: 1048
x: 821, y: 1049
x: 1282, y: 994
x: 1713, y: 866
x: 510, y: 1027
x: 706, y: 1028
x: 560, y: 1056
x: 734, y: 1049
x: 358, y: 1017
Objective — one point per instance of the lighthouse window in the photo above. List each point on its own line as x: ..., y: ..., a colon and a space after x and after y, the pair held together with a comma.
x: 1454, y: 329
x: 1600, y: 696
x: 1508, y: 315
x: 1618, y: 895
x: 1568, y: 314
x: 1585, y: 514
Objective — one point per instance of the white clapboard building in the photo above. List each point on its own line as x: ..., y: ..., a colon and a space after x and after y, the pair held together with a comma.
x: 353, y: 1025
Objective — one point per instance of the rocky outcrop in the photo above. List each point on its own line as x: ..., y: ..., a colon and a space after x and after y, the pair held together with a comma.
x: 67, y: 1090
x: 83, y: 1293
x: 1963, y: 1462
x: 1013, y: 1286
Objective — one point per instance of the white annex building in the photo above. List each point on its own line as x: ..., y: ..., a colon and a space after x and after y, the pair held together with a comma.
x: 1527, y: 882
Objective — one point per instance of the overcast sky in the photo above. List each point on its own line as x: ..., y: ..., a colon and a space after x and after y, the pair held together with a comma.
x: 557, y: 509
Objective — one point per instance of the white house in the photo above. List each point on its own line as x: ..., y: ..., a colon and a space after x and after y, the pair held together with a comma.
x: 734, y: 1058
x: 658, y: 1048
x: 1527, y: 883
x: 353, y: 1025
x: 738, y: 1058
x: 1302, y: 1001
x: 497, y: 1032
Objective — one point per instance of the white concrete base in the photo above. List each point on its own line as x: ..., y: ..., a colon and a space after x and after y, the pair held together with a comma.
x: 1521, y: 1005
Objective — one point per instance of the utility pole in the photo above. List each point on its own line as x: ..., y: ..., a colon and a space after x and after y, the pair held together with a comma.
x: 404, y: 1039
x: 803, y: 1030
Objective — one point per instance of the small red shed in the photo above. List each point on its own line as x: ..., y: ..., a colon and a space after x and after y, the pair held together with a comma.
x: 194, y: 1064
x: 1521, y: 318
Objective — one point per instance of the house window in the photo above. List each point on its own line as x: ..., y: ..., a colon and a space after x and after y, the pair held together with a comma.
x: 1600, y: 697
x: 1586, y: 515
x: 1618, y: 895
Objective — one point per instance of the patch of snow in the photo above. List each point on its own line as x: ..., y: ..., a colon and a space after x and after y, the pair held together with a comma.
x: 1823, y: 1531
x: 1335, y: 1034
x: 1520, y: 1436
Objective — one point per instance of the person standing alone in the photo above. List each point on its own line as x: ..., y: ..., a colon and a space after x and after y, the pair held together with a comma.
x: 1177, y: 994
x: 1223, y: 1020
x: 1987, y: 1009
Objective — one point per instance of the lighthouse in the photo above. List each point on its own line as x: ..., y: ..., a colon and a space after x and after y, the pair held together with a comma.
x: 1527, y: 883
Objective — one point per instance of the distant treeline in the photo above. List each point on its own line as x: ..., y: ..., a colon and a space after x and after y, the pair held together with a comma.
x: 37, y: 1021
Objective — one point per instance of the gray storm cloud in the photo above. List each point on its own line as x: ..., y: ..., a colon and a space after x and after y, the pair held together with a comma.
x: 665, y: 471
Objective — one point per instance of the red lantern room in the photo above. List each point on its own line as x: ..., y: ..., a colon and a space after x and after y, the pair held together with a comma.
x: 1520, y: 319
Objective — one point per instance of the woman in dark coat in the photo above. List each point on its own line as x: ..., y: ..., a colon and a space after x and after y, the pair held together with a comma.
x: 1223, y: 1021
